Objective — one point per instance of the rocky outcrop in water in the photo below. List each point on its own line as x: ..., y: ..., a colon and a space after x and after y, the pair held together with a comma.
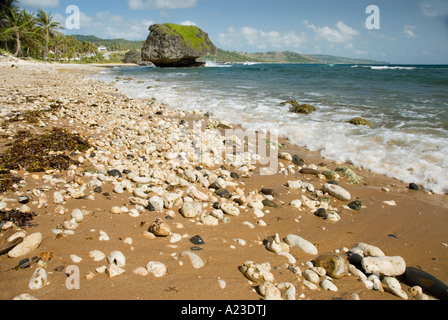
x: 172, y: 45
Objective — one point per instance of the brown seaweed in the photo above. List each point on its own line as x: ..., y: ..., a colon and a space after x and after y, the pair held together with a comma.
x: 19, y: 218
x: 37, y: 153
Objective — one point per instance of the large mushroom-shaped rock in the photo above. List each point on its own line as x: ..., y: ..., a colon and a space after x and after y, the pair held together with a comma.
x: 172, y: 45
x: 132, y: 56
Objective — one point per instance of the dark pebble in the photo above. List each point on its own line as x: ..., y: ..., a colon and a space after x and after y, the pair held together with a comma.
x: 321, y: 213
x: 126, y: 171
x: 429, y: 283
x: 333, y: 182
x: 267, y: 191
x: 216, y: 205
x: 239, y: 201
x: 309, y: 171
x: 159, y: 113
x: 355, y: 205
x: 223, y: 193
x: 106, y: 194
x: 234, y: 175
x: 197, y: 240
x: 196, y: 248
x: 355, y: 259
x: 114, y: 173
x: 297, y: 160
x: 24, y: 199
x: 150, y: 207
x: 269, y: 203
x: 98, y: 190
x: 413, y: 186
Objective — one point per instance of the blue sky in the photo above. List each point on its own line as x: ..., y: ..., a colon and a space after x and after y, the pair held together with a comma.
x: 410, y: 31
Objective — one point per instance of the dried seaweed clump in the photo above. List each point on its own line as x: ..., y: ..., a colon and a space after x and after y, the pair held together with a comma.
x: 19, y: 218
x: 37, y: 153
x: 7, y: 180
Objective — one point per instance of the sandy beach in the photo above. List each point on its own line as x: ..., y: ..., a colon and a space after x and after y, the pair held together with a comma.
x: 411, y: 224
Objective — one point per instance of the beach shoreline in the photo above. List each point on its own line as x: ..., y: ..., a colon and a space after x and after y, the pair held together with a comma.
x: 414, y: 228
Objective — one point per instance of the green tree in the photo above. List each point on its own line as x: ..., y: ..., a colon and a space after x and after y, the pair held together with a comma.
x: 48, y: 26
x: 19, y: 26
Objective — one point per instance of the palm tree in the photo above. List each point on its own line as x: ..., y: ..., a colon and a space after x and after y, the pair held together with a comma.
x: 18, y: 27
x: 48, y: 26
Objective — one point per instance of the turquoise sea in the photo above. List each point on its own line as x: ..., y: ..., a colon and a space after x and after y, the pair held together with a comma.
x: 407, y: 105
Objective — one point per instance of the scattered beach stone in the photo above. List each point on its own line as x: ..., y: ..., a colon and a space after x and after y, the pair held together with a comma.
x: 299, y: 242
x: 326, y: 284
x: 334, y: 265
x: 114, y: 173
x: 114, y: 271
x: 355, y: 205
x: 269, y: 203
x: 117, y: 258
x: 256, y: 272
x: 392, y: 285
x: 337, y: 192
x: 430, y: 284
x: 29, y: 244
x: 39, y: 279
x: 156, y: 268
x: 358, y: 121
x: 366, y: 250
x: 297, y: 160
x: 160, y: 228
x: 196, y: 261
x: 309, y: 171
x: 321, y: 213
x: 230, y: 209
x: 413, y: 186
x: 385, y: 266
x: 351, y: 176
x: 303, y: 108
x: 267, y: 191
x: 197, y: 240
x: 10, y: 245
x: 189, y: 210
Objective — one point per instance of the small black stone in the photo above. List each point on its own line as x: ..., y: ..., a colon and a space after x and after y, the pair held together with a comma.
x: 234, y: 175
x: 24, y: 199
x: 114, y: 173
x: 159, y: 113
x: 106, y: 194
x: 223, y: 193
x: 216, y: 205
x: 413, y: 186
x: 333, y: 182
x: 150, y: 207
x: 321, y: 213
x: 97, y: 190
x: 297, y: 160
x: 197, y: 240
x: 126, y: 171
x: 355, y: 205
x: 267, y: 191
x: 198, y: 168
x: 355, y: 258
x: 196, y: 248
x: 269, y: 203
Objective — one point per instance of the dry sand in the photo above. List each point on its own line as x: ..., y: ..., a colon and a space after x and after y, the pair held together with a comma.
x: 415, y: 229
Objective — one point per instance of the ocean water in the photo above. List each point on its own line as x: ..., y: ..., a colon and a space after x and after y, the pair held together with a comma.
x: 407, y: 105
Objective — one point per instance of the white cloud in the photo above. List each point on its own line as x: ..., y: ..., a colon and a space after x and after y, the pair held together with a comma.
x: 409, y: 32
x: 342, y: 33
x: 261, y: 39
x: 110, y: 26
x: 40, y: 3
x: 188, y: 23
x: 161, y: 4
x: 435, y: 9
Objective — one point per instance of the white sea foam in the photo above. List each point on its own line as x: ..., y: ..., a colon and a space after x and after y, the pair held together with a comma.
x: 389, y: 150
x: 390, y: 68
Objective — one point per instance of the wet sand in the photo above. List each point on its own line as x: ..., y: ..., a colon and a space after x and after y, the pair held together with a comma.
x: 415, y: 229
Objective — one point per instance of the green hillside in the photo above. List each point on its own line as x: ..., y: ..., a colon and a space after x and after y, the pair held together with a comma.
x: 266, y: 57
x: 111, y: 44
